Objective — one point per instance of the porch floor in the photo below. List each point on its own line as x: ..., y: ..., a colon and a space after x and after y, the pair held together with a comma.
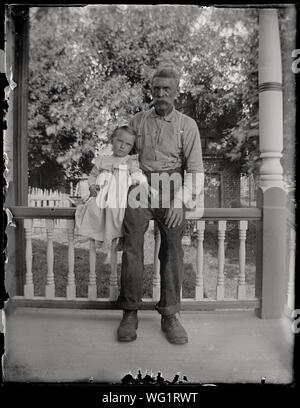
x: 45, y: 345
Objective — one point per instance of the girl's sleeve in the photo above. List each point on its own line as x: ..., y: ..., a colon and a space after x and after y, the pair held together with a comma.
x: 95, y: 171
x: 136, y: 173
x: 134, y: 165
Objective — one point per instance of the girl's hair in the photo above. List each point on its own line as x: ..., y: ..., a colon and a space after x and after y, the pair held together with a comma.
x: 126, y: 128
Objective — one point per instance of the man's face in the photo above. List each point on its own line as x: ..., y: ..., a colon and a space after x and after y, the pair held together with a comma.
x: 164, y: 93
x: 122, y: 143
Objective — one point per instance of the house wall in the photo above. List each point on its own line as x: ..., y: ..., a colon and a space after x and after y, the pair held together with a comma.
x: 231, y: 187
x: 222, y: 183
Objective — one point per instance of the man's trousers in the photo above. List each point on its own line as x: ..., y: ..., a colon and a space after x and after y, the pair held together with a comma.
x: 171, y: 253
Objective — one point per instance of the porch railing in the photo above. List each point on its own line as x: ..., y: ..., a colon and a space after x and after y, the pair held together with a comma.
x: 221, y: 216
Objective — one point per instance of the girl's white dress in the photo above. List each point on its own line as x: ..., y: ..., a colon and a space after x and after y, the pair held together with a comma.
x: 101, y: 217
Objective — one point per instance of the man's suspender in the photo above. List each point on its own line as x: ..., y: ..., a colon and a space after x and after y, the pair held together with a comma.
x: 180, y: 131
x: 140, y: 137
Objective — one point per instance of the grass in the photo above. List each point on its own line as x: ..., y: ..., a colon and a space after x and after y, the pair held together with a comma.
x: 81, y: 269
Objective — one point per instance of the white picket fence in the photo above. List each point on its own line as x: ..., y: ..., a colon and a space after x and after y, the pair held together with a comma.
x: 80, y: 188
x: 38, y: 197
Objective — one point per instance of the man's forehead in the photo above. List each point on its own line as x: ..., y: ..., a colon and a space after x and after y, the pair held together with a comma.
x: 164, y: 81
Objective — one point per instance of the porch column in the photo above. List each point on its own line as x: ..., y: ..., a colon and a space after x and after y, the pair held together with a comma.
x: 271, y: 195
x: 15, y: 143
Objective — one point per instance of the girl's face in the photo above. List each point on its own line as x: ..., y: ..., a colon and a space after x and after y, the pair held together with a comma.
x: 122, y: 143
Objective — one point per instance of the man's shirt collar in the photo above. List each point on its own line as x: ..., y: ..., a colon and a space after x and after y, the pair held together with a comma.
x: 167, y: 118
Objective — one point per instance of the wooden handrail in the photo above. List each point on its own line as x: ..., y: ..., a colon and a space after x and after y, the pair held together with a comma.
x: 215, y: 214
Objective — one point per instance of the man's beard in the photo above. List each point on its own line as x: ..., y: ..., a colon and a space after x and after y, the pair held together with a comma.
x: 162, y: 106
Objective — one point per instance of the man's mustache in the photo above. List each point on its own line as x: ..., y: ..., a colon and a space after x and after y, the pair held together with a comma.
x: 159, y: 100
x: 155, y: 101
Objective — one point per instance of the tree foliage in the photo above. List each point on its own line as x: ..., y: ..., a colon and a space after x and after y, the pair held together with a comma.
x: 90, y: 69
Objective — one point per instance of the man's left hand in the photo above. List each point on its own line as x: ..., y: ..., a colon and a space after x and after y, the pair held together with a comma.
x: 174, y: 216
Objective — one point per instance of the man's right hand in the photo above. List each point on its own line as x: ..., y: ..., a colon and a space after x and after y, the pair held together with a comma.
x: 174, y: 215
x: 94, y: 188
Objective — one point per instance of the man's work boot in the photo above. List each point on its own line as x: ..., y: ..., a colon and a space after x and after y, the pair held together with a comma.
x: 128, y: 326
x: 173, y: 330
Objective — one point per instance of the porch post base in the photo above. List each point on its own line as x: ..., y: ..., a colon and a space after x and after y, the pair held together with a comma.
x: 220, y: 292
x: 71, y: 292
x: 28, y: 290
x: 241, y: 291
x: 199, y: 292
x: 113, y: 292
x: 92, y: 292
x: 272, y: 277
x: 50, y: 291
x: 156, y: 293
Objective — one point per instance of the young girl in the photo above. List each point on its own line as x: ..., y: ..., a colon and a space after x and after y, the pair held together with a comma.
x: 101, y: 217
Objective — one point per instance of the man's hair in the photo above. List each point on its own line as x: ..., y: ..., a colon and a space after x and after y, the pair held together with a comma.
x: 166, y: 71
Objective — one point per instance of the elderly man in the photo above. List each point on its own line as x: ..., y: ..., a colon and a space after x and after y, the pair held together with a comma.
x: 168, y: 143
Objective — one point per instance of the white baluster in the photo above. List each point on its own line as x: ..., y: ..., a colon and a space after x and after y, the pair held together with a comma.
x: 291, y: 266
x: 71, y: 286
x: 77, y: 192
x: 50, y: 287
x: 199, y: 260
x: 241, y: 288
x: 28, y: 287
x: 44, y: 203
x: 221, y: 258
x: 92, y: 287
x: 156, y: 265
x: 113, y: 280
